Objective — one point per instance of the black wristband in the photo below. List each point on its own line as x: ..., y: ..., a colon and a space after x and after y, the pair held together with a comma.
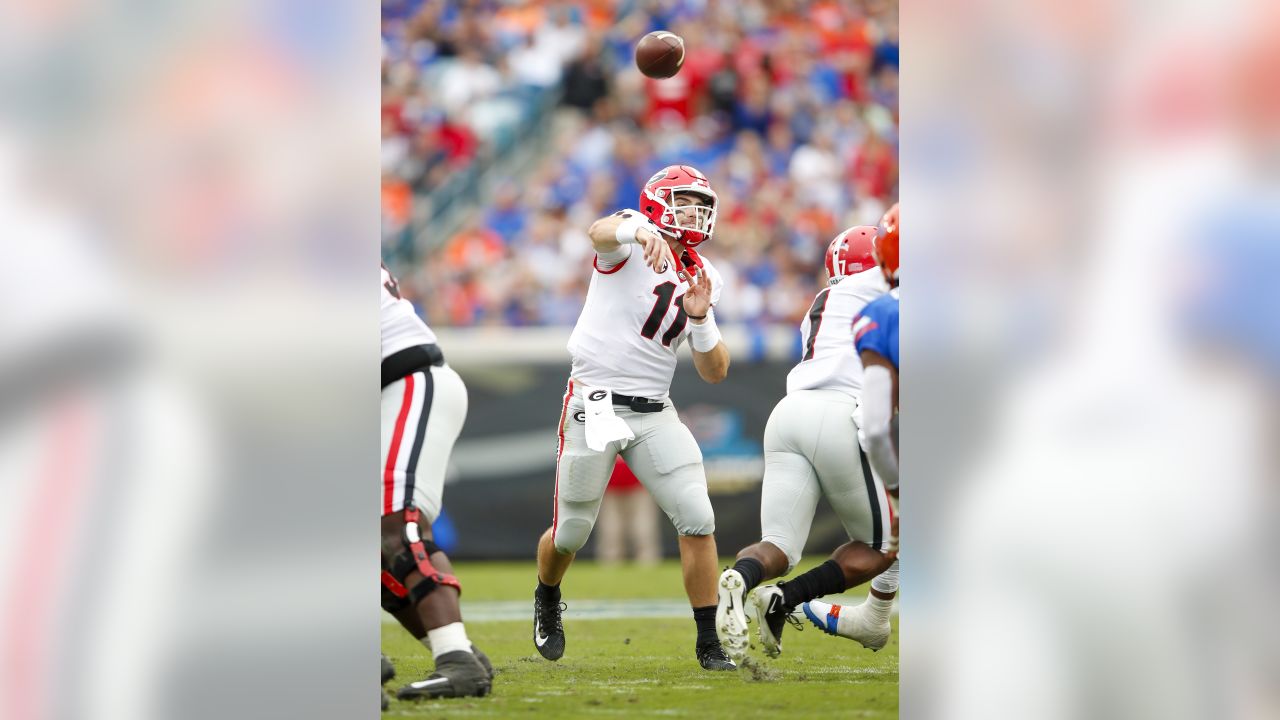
x: 695, y: 317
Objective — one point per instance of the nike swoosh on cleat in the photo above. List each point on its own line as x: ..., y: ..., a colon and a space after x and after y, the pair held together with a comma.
x: 538, y: 639
x: 423, y: 684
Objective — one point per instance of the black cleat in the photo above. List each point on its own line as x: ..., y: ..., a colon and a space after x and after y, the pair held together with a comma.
x: 484, y: 661
x: 713, y: 657
x: 771, y: 616
x: 458, y: 674
x: 548, y: 627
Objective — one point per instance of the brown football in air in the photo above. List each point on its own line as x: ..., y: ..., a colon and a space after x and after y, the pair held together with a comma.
x: 660, y: 54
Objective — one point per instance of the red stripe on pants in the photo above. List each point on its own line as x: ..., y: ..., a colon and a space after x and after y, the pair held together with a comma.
x: 389, y: 474
x: 555, y: 509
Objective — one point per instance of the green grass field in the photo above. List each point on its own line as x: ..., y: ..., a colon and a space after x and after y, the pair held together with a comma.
x: 637, y: 666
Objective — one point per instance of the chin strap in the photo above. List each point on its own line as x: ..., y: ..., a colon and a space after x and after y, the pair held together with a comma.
x: 689, y: 259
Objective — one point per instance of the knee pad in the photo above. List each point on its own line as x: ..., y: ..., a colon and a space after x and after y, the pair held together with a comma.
x: 572, y: 534
x: 417, y: 557
x: 695, y: 516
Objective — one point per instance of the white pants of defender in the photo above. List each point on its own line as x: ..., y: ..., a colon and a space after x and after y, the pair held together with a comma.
x: 664, y: 457
x: 811, y: 449
x: 422, y: 415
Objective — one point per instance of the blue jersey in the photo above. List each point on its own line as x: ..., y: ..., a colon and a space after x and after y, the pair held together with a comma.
x: 876, y: 327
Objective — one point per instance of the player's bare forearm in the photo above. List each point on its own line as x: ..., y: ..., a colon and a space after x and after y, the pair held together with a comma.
x: 604, y: 232
x: 713, y: 365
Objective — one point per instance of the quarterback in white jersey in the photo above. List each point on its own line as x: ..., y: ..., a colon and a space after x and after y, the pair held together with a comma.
x: 811, y: 449
x: 650, y: 293
x: 424, y: 404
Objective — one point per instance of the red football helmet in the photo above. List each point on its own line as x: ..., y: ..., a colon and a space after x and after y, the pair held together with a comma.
x: 886, y: 253
x: 850, y: 252
x: 657, y: 202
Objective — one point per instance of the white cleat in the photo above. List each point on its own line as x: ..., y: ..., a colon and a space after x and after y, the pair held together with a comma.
x: 731, y: 616
x: 855, y: 622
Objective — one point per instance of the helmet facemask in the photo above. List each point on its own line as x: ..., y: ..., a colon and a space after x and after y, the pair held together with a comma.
x: 687, y: 224
x: 691, y: 224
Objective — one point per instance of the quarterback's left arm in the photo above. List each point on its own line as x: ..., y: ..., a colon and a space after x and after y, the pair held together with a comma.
x: 710, y: 355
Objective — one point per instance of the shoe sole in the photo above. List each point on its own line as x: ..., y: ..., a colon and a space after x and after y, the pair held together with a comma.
x: 731, y: 618
x: 768, y: 642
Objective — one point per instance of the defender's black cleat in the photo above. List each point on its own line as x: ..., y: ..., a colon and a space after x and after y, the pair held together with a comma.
x: 548, y: 627
x: 458, y: 674
x: 711, y: 656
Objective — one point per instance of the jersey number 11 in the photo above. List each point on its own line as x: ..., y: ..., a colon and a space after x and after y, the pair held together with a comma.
x: 665, y: 292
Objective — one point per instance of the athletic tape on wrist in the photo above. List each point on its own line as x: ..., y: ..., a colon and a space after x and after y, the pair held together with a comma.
x: 704, y: 336
x: 626, y: 232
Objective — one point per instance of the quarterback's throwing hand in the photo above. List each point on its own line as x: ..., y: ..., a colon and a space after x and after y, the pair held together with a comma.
x: 656, y: 252
x: 697, y: 301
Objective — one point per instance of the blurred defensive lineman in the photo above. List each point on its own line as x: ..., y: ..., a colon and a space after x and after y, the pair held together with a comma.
x: 811, y: 449
x: 649, y: 293
x: 424, y: 404
x: 875, y: 335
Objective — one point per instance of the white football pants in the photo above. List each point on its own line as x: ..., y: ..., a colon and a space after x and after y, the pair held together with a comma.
x: 422, y: 415
x: 811, y: 449
x: 664, y: 457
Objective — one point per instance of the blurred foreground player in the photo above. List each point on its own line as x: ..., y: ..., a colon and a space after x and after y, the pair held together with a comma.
x: 875, y: 334
x: 650, y: 292
x: 811, y: 450
x: 424, y: 404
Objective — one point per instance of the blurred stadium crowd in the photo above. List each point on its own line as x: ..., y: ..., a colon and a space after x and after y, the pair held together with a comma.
x: 789, y: 107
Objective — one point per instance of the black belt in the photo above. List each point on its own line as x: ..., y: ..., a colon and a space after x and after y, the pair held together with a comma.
x: 638, y: 404
x: 410, y: 360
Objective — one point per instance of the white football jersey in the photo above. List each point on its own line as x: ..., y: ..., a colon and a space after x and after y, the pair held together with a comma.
x: 401, y: 326
x: 829, y: 361
x: 631, y: 325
